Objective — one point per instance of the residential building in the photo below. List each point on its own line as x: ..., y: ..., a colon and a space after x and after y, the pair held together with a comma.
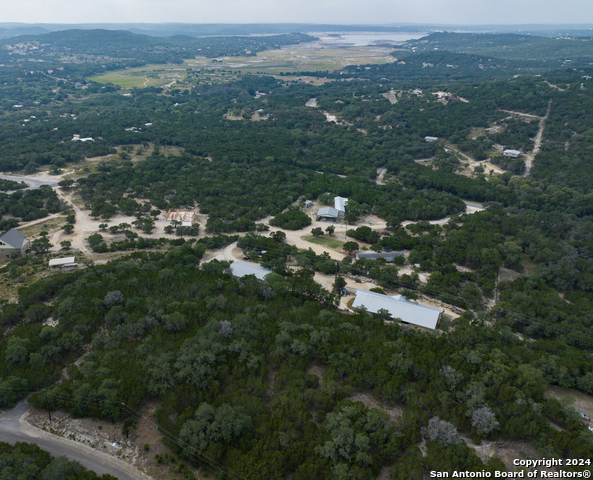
x: 431, y: 139
x: 512, y: 153
x: 12, y: 242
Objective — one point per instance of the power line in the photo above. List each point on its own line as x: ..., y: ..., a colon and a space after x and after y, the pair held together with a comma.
x: 187, y: 449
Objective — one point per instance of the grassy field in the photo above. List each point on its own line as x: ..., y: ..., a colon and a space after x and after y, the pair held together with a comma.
x: 316, y: 56
x: 326, y: 241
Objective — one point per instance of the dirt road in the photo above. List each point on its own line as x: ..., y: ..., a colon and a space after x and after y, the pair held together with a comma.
x: 381, y: 172
x: 390, y: 95
x: 14, y: 428
x: 537, y: 143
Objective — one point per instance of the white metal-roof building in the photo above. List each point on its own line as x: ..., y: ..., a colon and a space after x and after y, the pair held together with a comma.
x: 399, y: 307
x: 328, y: 213
x: 340, y: 204
x: 56, y: 262
x: 511, y: 153
x: 240, y: 269
x: 431, y: 139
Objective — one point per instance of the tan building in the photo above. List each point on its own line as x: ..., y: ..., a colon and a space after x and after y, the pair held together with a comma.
x: 186, y: 217
x: 13, y: 241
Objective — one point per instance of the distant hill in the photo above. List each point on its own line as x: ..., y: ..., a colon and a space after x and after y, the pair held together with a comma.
x: 8, y: 32
x: 77, y: 46
x: 510, y: 46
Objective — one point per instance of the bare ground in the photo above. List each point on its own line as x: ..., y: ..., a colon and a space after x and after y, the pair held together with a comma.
x: 108, y: 438
x: 573, y: 398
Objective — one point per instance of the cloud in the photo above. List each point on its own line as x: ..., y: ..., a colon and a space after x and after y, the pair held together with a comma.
x: 303, y: 11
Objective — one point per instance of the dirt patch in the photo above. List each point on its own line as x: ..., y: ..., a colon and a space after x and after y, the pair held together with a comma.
x: 393, y: 410
x: 507, y: 275
x: 318, y: 370
x: 384, y: 473
x: 572, y: 398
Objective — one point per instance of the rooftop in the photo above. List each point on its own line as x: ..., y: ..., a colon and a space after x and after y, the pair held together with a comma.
x: 328, y: 212
x: 399, y: 307
x: 14, y: 238
x: 374, y: 255
x: 61, y: 261
x: 240, y: 269
x: 340, y: 203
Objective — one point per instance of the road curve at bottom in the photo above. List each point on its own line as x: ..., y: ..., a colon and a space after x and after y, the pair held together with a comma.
x: 14, y: 428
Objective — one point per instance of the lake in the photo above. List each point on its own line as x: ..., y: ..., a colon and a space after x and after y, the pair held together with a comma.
x: 364, y: 39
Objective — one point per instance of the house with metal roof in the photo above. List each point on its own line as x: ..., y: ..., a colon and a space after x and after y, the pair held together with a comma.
x: 512, y: 153
x: 340, y: 204
x: 328, y: 214
x: 241, y: 269
x: 370, y: 255
x: 399, y: 307
x: 13, y: 241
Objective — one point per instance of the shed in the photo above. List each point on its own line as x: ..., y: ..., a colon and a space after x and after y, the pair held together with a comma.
x: 431, y: 139
x: 56, y: 262
x: 340, y: 204
x: 512, y: 153
x: 399, y: 307
x: 13, y: 241
x: 370, y: 255
x: 186, y: 217
x: 240, y: 269
x: 328, y: 214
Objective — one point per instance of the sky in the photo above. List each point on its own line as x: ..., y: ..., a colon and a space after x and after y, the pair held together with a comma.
x: 458, y: 12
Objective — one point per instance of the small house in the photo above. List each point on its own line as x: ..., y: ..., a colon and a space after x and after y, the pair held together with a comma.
x: 512, y: 153
x: 13, y: 241
x: 431, y: 139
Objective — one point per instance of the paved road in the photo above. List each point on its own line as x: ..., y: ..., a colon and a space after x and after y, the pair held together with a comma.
x: 14, y: 429
x: 32, y: 182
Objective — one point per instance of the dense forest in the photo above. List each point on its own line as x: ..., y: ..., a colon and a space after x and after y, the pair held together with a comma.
x: 264, y: 377
x: 28, y: 462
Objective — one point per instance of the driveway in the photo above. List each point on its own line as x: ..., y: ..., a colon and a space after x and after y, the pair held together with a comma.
x: 14, y: 428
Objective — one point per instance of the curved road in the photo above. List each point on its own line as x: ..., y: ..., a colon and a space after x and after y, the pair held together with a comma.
x: 14, y: 428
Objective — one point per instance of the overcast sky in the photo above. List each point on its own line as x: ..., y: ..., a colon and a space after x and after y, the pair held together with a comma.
x: 301, y: 11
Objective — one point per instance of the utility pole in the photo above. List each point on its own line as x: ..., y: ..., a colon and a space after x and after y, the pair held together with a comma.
x: 47, y: 404
x: 125, y: 420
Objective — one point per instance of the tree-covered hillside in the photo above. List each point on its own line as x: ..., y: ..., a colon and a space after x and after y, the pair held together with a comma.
x: 276, y: 378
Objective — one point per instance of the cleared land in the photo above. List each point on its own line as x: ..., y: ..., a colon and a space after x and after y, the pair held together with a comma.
x: 321, y: 55
x: 326, y: 241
